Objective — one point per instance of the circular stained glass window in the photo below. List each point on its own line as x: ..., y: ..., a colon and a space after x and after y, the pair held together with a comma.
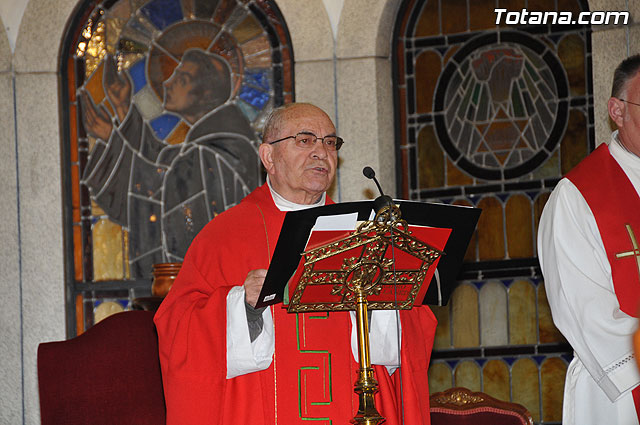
x: 501, y: 105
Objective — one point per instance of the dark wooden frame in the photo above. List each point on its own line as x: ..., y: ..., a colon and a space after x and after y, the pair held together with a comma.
x: 461, y: 399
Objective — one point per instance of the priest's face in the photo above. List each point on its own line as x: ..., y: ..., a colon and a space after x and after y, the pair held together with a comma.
x: 300, y: 174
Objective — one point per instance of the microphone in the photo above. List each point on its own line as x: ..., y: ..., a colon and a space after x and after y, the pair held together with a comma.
x: 382, y: 200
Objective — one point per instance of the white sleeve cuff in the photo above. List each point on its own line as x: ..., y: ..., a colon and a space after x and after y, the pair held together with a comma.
x: 623, y: 374
x: 385, y: 338
x: 244, y: 356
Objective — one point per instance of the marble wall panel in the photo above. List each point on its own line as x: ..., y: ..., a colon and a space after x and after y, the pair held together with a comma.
x: 522, y: 313
x: 553, y: 373
x: 465, y: 316
x: 360, y: 35
x: 495, y: 379
x: 439, y: 377
x: 40, y: 34
x: 309, y: 28
x: 491, y: 242
x: 525, y: 386
x: 43, y: 296
x: 519, y: 228
x: 493, y: 314
x: 365, y: 118
x: 10, y: 282
x: 467, y: 375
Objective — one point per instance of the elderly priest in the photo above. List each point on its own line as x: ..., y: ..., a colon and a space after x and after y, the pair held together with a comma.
x: 225, y: 362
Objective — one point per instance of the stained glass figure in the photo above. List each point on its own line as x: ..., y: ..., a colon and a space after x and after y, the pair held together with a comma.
x: 166, y: 102
x: 156, y: 189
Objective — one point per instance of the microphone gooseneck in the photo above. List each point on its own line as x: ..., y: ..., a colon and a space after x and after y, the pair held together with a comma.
x: 382, y: 200
x: 370, y: 174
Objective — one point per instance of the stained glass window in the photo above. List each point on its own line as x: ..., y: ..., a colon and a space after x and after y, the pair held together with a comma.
x: 493, y: 116
x: 163, y: 104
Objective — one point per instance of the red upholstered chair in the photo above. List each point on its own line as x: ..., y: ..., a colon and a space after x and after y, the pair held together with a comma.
x: 460, y: 406
x: 108, y: 375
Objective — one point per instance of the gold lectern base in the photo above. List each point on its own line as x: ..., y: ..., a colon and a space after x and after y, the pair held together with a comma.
x: 368, y: 420
x: 367, y: 412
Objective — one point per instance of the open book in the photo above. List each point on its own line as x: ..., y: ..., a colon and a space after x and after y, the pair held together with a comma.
x: 445, y: 228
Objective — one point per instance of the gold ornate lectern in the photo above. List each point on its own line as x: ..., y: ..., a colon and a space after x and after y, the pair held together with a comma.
x: 381, y: 266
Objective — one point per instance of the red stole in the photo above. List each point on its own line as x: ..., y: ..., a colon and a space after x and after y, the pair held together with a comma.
x: 615, y: 204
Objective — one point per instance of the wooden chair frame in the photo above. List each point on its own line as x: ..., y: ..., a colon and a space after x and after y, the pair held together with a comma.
x: 461, y: 399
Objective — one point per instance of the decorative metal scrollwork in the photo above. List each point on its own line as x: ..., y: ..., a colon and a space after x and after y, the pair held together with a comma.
x: 370, y: 261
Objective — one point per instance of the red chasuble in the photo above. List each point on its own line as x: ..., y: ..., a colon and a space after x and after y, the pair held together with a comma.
x: 313, y: 371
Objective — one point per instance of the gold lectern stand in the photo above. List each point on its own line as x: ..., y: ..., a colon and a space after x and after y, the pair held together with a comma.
x: 377, y: 270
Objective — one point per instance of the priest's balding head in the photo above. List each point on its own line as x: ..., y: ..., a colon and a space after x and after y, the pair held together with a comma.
x: 300, y: 152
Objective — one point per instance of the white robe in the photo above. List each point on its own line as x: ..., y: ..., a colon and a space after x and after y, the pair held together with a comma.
x: 585, y: 308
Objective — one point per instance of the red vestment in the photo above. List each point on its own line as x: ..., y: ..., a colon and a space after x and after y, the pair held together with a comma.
x: 614, y: 203
x: 313, y: 370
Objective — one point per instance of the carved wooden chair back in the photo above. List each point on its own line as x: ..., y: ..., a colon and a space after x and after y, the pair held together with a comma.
x: 461, y: 406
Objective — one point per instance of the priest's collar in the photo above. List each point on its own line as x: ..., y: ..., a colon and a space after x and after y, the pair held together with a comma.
x: 285, y: 205
x: 616, y: 143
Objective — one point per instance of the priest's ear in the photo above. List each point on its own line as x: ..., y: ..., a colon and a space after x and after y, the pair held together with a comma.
x: 617, y: 110
x: 265, y: 150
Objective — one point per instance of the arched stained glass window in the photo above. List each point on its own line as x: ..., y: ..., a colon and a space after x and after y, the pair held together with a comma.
x: 493, y: 116
x: 163, y: 104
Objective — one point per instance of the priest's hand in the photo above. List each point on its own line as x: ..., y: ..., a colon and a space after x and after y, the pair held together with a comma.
x: 253, y: 285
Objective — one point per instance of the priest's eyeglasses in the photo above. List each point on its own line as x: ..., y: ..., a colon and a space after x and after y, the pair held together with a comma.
x: 633, y: 103
x: 307, y: 140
